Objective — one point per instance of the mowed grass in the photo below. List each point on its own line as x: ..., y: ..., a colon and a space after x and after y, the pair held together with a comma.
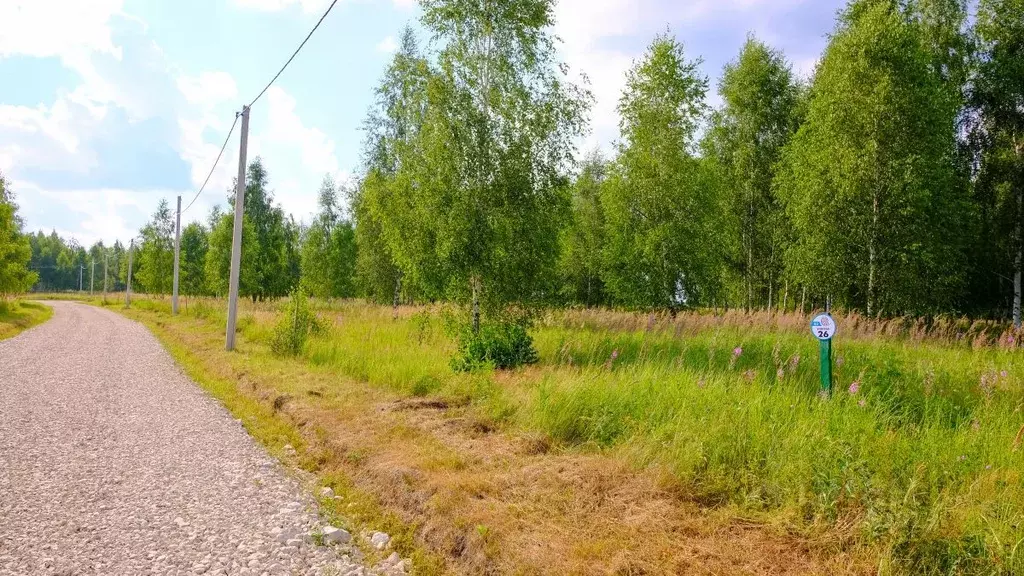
x: 916, y: 458
x: 19, y: 315
x: 917, y: 454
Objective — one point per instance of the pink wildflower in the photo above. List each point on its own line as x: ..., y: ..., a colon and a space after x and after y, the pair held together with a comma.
x: 854, y: 387
x: 737, y: 351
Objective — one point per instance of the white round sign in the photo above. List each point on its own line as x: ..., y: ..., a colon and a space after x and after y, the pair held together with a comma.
x: 823, y: 327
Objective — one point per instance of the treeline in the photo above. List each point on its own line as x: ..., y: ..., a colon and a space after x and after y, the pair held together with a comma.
x: 891, y: 181
x: 15, y: 252
x: 274, y: 250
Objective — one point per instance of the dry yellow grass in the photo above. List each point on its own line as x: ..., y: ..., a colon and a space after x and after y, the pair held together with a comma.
x: 465, y: 498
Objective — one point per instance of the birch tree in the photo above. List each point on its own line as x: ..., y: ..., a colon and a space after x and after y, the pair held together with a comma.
x: 869, y: 180
x: 15, y: 249
x: 483, y: 191
x: 662, y: 216
x: 997, y: 97
x: 746, y: 139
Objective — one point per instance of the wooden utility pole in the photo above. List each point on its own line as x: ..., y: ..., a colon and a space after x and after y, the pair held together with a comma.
x: 128, y: 287
x: 236, y: 237
x: 81, y: 268
x: 106, y: 257
x: 92, y: 276
x: 177, y: 259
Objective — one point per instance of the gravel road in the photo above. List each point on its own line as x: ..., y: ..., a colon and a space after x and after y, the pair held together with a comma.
x: 113, y: 462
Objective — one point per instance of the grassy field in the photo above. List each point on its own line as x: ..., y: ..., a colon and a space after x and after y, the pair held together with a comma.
x: 18, y: 315
x: 646, y: 444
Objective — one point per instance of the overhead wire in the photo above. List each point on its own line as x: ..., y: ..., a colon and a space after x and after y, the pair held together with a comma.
x: 294, y: 54
x: 254, y: 100
x: 214, y: 167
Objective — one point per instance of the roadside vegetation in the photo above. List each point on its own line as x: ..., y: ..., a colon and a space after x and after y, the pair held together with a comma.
x: 655, y: 425
x: 17, y: 316
x: 490, y: 404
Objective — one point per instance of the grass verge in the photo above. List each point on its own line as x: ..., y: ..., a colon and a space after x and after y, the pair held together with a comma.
x: 648, y: 448
x: 19, y: 315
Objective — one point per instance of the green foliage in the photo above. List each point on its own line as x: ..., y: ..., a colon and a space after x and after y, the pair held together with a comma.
x: 472, y: 193
x: 583, y: 238
x: 274, y: 265
x: 869, y: 181
x: 996, y: 125
x: 377, y: 276
x: 297, y: 323
x: 218, y: 257
x: 57, y: 262
x: 329, y: 250
x: 154, y: 257
x: 15, y: 249
x: 745, y: 142
x: 195, y: 243
x: 500, y: 345
x: 663, y: 248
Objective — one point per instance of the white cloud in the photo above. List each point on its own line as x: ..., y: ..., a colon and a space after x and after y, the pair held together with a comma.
x: 296, y: 156
x: 208, y: 87
x: 67, y: 29
x: 594, y: 32
x: 211, y: 96
x: 387, y: 45
x: 106, y: 214
x: 277, y: 5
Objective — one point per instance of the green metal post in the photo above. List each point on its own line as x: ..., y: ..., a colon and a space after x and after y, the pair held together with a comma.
x: 826, y: 367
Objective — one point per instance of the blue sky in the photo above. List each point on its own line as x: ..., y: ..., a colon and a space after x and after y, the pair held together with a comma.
x: 109, y: 106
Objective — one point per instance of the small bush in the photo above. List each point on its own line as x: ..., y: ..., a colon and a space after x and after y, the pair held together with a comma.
x: 500, y: 344
x: 297, y: 323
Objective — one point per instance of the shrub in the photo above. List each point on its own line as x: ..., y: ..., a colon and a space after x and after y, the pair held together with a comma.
x: 294, y: 327
x: 499, y: 344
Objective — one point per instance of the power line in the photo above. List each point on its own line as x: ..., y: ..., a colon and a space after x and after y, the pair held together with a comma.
x: 258, y: 96
x: 294, y: 54
x: 212, y: 168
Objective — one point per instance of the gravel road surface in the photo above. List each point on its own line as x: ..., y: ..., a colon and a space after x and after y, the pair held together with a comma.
x: 113, y: 462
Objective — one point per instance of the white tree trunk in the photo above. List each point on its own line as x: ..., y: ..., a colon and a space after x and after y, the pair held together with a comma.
x: 1017, y: 259
x: 871, y: 255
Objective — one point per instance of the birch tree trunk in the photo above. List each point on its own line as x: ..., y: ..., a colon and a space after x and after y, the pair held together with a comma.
x: 475, y: 284
x: 871, y: 254
x: 397, y: 296
x: 1017, y: 258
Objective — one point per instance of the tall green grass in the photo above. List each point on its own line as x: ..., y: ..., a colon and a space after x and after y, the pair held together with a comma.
x: 916, y: 455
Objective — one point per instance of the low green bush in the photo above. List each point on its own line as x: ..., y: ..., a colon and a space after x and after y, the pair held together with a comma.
x: 295, y: 327
x: 502, y: 345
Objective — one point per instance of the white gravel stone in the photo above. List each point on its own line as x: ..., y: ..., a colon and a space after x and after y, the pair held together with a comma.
x: 336, y: 535
x: 113, y: 462
x: 379, y: 540
x: 327, y: 492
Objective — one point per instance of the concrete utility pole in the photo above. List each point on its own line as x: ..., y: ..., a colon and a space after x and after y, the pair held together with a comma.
x: 128, y: 287
x: 236, y: 237
x: 177, y: 259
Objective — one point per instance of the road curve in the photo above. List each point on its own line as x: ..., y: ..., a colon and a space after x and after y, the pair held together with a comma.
x: 113, y: 462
